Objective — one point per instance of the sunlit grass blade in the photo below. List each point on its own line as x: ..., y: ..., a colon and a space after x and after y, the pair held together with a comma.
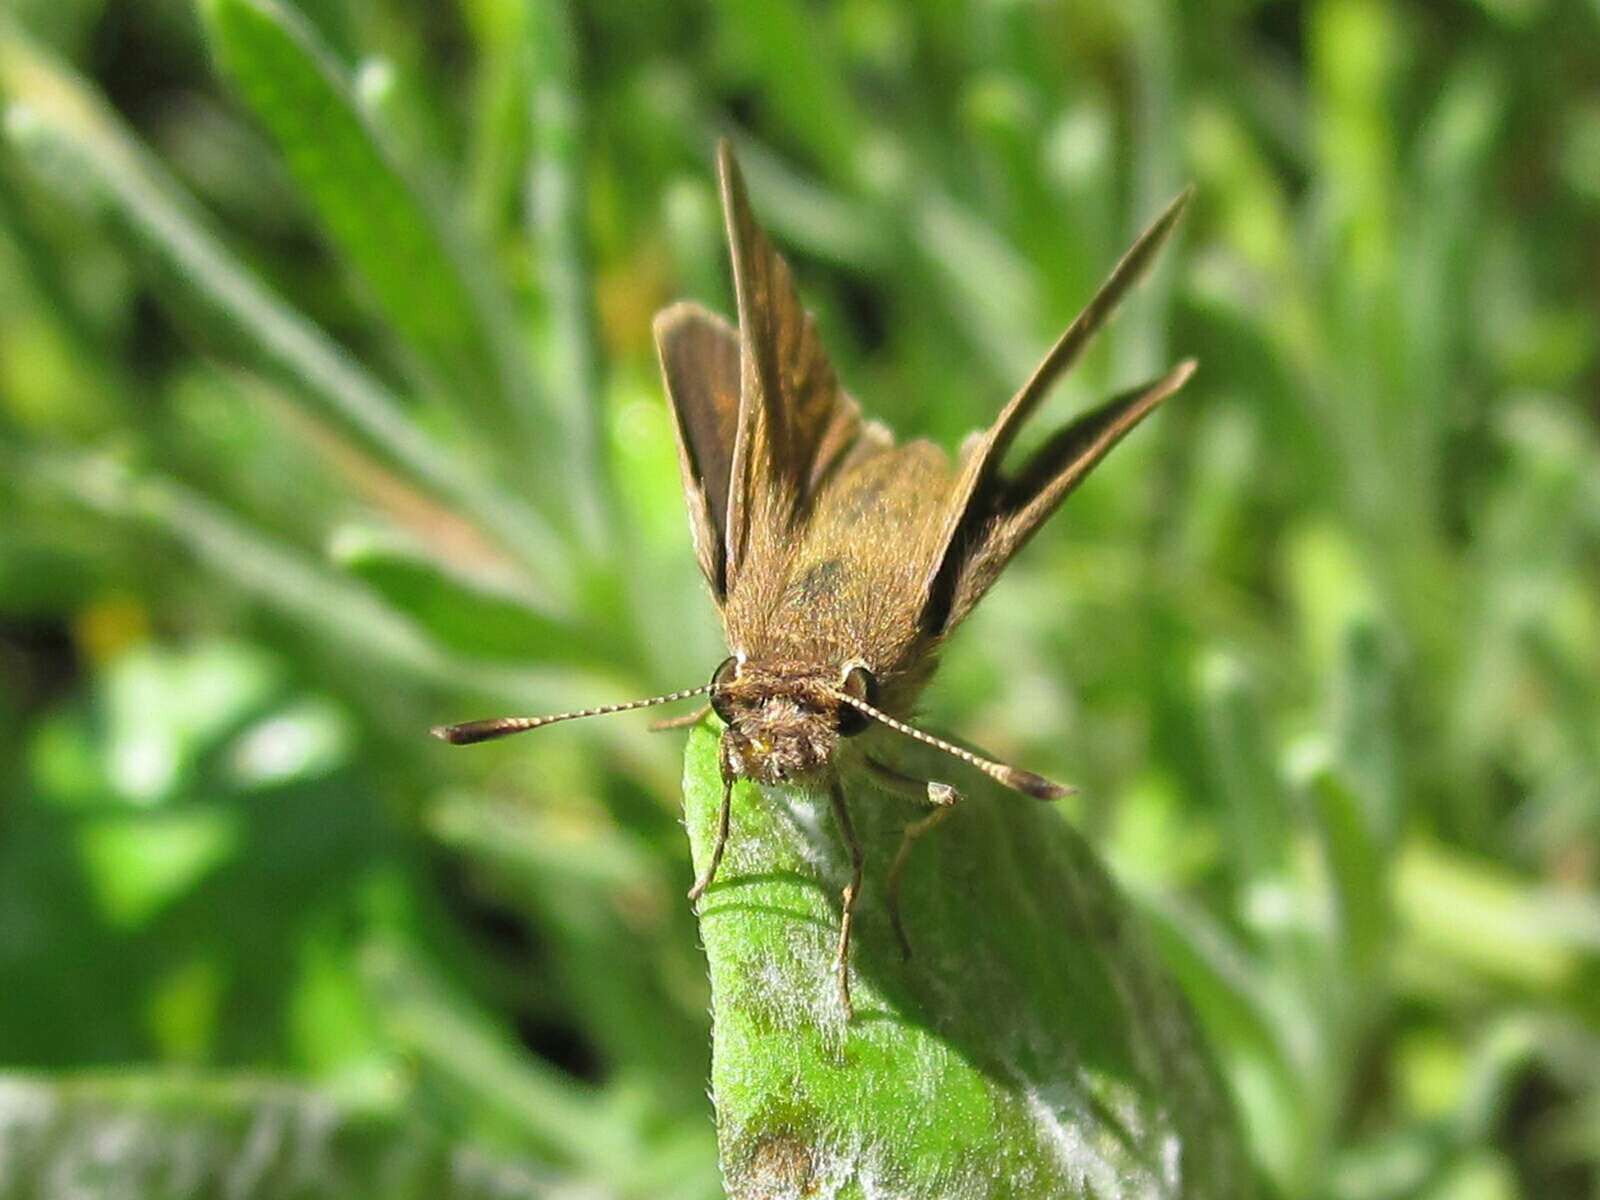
x: 472, y: 617
x: 557, y: 216
x: 991, y: 290
x: 165, y: 1136
x: 45, y: 270
x: 1157, y: 176
x: 1033, y: 1027
x: 497, y: 138
x: 82, y: 151
x: 1356, y: 861
x: 1247, y: 774
x: 1457, y: 911
x: 413, y: 266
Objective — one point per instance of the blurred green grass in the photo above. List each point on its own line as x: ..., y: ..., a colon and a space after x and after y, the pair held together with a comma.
x: 327, y: 410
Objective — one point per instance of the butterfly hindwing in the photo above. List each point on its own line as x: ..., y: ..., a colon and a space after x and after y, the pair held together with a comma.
x: 699, y: 354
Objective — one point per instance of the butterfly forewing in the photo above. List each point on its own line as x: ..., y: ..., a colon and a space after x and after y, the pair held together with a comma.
x: 794, y: 421
x: 983, y: 524
x: 1019, y: 506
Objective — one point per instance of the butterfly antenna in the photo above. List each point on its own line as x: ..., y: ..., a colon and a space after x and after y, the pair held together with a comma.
x: 469, y: 732
x: 1015, y: 778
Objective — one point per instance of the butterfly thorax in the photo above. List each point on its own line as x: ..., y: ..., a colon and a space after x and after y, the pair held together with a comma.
x: 845, y: 585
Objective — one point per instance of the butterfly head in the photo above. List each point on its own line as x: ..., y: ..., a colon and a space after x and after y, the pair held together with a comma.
x: 784, y: 723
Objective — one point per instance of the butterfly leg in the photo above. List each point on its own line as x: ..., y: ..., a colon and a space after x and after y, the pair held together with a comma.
x: 724, y: 815
x: 852, y: 892
x: 680, y: 722
x: 944, y: 798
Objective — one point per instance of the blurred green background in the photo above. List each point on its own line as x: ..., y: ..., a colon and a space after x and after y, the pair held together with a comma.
x: 328, y: 411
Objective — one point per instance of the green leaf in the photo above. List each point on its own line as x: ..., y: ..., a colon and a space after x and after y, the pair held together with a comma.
x: 173, y: 1137
x: 375, y: 217
x: 136, y: 866
x: 1032, y: 1047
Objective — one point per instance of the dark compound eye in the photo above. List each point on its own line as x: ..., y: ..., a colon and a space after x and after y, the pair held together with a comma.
x: 860, y: 684
x: 720, y: 679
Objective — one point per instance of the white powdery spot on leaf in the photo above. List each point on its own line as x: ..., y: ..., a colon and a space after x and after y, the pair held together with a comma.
x: 1090, y: 1166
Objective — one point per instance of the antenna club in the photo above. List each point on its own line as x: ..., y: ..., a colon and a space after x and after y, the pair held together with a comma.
x: 1026, y: 782
x: 1038, y: 786
x: 469, y: 732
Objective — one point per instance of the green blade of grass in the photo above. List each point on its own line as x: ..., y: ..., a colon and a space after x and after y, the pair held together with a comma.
x: 1367, y: 724
x: 1032, y: 1046
x: 811, y: 215
x: 345, y: 615
x: 378, y: 220
x: 1453, y: 166
x: 162, y: 1137
x: 990, y: 289
x: 1459, y: 910
x: 471, y: 617
x: 1246, y: 774
x: 81, y: 151
x: 561, y: 249
x: 1356, y: 862
x: 1266, y: 1044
